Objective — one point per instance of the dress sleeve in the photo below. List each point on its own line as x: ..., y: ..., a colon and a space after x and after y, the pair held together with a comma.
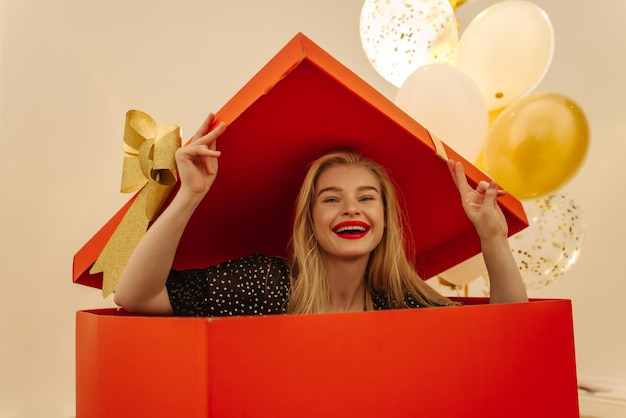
x: 253, y: 285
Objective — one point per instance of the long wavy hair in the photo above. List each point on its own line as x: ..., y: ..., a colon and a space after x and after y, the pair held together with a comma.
x: 389, y: 271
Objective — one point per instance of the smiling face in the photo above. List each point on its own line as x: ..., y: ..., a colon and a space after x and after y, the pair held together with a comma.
x: 347, y: 211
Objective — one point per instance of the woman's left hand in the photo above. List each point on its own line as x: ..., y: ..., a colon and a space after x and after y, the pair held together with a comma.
x: 480, y: 204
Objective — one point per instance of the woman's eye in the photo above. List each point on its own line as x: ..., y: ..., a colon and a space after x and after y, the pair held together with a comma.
x: 330, y: 200
x: 366, y: 198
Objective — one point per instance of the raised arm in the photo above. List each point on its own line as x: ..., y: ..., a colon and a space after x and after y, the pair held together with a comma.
x: 481, y: 206
x: 141, y: 287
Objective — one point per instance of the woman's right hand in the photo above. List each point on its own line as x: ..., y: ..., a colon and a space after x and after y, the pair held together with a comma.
x: 197, y: 161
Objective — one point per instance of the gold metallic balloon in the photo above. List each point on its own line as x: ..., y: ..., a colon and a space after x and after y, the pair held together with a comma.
x: 536, y: 144
x: 493, y: 115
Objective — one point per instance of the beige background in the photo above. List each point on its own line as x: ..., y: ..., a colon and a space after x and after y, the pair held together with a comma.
x: 70, y: 69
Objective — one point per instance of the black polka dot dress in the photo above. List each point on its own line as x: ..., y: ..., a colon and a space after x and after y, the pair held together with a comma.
x: 253, y: 285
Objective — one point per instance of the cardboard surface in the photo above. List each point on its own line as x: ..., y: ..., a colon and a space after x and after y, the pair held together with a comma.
x: 302, y: 104
x: 511, y: 360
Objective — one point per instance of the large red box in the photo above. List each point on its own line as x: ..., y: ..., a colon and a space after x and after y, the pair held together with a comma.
x: 474, y: 360
x: 510, y: 360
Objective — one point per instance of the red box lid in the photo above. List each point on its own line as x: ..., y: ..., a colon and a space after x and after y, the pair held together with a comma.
x: 301, y: 104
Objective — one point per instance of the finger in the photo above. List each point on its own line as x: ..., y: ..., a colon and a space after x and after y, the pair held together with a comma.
x: 204, y: 151
x: 451, y: 169
x: 204, y: 128
x: 482, y: 187
x: 196, y: 153
x: 491, y: 195
x: 215, y: 133
x: 210, y: 138
x: 196, y: 149
x: 210, y: 164
x: 458, y: 173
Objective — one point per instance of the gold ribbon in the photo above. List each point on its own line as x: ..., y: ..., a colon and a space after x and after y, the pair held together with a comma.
x: 439, y: 148
x: 149, y: 166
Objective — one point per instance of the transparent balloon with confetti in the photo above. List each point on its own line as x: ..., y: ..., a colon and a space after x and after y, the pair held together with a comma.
x: 399, y: 36
x: 553, y: 241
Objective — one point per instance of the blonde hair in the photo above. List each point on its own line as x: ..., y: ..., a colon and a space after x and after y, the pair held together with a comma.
x: 389, y: 271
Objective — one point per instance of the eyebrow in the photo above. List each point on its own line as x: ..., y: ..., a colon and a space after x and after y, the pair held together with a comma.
x: 339, y: 189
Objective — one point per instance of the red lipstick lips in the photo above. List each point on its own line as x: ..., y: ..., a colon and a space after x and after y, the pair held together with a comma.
x: 351, y: 229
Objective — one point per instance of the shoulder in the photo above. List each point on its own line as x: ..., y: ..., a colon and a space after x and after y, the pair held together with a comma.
x: 256, y: 262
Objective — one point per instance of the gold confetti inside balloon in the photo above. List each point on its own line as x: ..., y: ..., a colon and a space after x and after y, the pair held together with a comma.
x: 400, y: 36
x: 552, y: 243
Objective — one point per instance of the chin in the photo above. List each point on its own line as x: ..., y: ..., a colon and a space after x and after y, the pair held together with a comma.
x: 353, y: 254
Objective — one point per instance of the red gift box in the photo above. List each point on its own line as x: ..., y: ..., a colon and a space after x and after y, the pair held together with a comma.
x: 475, y: 360
x: 509, y: 360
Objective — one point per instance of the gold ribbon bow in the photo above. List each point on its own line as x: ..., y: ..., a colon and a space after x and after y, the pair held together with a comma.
x: 149, y: 165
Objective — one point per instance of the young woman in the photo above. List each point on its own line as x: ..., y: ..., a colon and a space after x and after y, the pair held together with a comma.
x: 347, y: 247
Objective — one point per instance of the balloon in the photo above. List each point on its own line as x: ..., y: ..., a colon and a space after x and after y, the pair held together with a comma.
x: 507, y: 50
x: 465, y: 272
x: 493, y: 115
x: 536, y: 144
x: 446, y: 102
x: 480, y: 160
x: 552, y: 243
x: 457, y: 3
x: 399, y: 36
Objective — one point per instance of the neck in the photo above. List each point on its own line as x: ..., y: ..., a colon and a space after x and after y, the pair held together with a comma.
x: 346, y: 282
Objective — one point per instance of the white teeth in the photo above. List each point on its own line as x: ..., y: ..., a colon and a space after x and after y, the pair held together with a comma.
x: 351, y: 228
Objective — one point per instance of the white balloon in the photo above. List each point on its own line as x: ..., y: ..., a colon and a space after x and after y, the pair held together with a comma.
x: 507, y: 50
x: 399, y: 36
x: 449, y: 105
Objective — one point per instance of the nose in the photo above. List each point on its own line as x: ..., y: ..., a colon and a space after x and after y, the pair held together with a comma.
x: 351, y: 207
